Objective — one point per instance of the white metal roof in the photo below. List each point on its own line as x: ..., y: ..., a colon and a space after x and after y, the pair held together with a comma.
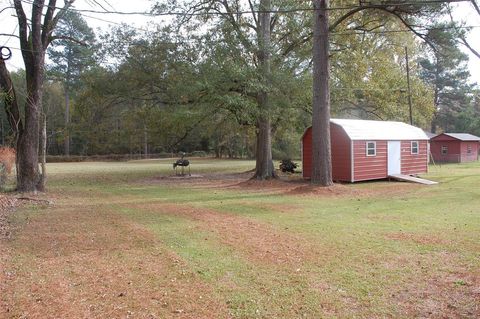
x: 463, y: 136
x: 380, y: 130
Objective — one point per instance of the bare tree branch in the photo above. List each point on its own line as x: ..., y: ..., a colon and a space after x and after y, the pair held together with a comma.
x: 61, y: 12
x: 252, y: 8
x: 6, y: 8
x: 461, y: 36
x: 64, y: 37
x: 23, y: 31
x: 46, y: 22
x: 475, y: 5
x: 385, y: 8
x: 9, y: 35
x: 465, y: 43
x: 418, y: 34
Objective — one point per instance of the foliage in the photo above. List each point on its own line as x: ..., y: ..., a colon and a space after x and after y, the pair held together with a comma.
x: 287, y: 165
x: 194, y: 84
x: 73, y: 51
x: 445, y: 70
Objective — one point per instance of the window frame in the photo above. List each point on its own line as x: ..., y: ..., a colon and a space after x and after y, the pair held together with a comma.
x: 444, y: 150
x: 417, y: 147
x: 469, y: 149
x: 368, y: 148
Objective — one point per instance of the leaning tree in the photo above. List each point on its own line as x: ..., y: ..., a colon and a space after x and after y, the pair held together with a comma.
x: 35, y: 35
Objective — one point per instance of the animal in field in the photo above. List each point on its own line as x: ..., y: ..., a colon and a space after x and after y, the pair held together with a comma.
x: 182, y: 162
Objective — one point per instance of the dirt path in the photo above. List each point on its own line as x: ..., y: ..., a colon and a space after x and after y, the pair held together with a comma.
x: 260, y: 242
x: 91, y: 263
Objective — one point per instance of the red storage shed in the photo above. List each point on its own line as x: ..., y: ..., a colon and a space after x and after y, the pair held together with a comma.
x: 365, y: 150
x: 455, y: 147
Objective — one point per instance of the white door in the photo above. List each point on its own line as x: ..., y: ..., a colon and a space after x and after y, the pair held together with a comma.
x: 394, y: 157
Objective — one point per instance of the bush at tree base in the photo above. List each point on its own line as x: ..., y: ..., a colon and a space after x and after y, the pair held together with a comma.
x: 7, y: 162
x: 287, y: 165
x: 7, y: 158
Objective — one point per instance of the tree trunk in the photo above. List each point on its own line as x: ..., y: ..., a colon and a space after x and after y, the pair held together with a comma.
x: 321, y: 150
x: 145, y: 141
x: 66, y: 142
x: 28, y: 177
x: 433, y: 123
x: 264, y: 165
x: 43, y: 152
x: 11, y: 108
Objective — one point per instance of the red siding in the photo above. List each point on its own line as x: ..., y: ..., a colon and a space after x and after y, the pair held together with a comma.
x: 469, y: 157
x: 412, y: 164
x: 365, y: 167
x: 307, y: 153
x: 369, y: 167
x: 457, y: 150
x: 341, y: 165
x: 341, y: 158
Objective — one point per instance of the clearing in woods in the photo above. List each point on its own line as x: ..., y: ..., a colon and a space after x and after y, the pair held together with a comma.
x: 130, y: 240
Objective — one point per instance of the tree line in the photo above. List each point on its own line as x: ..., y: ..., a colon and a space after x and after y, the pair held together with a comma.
x: 233, y: 78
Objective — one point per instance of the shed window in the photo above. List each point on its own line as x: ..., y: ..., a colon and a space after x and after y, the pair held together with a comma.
x: 414, y: 147
x: 469, y: 149
x: 371, y: 148
x: 444, y: 150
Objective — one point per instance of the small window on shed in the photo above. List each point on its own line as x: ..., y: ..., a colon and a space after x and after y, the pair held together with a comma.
x: 469, y: 149
x: 371, y: 148
x: 414, y: 147
x: 444, y: 150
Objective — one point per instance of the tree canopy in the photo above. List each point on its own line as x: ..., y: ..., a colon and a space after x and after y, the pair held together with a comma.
x: 234, y: 78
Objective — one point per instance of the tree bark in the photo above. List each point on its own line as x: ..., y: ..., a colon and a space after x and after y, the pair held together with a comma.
x: 28, y: 177
x: 264, y: 164
x: 321, y: 150
x: 43, y: 152
x: 145, y: 141
x: 66, y: 142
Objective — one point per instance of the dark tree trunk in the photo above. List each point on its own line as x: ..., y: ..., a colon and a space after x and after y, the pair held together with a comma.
x: 28, y: 176
x: 433, y: 124
x: 66, y: 142
x: 11, y: 107
x: 43, y: 152
x: 264, y: 165
x: 34, y: 39
x: 321, y: 151
x: 145, y: 141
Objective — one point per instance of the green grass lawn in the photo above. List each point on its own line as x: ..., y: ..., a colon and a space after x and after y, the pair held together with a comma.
x: 211, y: 247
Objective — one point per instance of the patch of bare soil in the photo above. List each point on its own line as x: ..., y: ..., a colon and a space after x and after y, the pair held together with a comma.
x: 416, y: 238
x: 439, y: 287
x: 92, y: 263
x: 7, y: 204
x: 209, y: 180
x: 288, y: 184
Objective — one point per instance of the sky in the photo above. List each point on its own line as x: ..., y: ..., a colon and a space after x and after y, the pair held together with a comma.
x: 463, y: 12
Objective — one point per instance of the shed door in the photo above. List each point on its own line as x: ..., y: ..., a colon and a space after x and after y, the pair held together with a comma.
x: 394, y: 157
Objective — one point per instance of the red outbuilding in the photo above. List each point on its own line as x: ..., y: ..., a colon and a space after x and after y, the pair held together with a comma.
x: 455, y: 147
x: 365, y: 150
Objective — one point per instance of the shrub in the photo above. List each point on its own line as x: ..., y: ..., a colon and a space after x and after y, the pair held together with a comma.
x: 287, y: 165
x: 7, y: 158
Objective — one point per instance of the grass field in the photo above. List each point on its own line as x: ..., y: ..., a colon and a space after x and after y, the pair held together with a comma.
x: 130, y: 240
